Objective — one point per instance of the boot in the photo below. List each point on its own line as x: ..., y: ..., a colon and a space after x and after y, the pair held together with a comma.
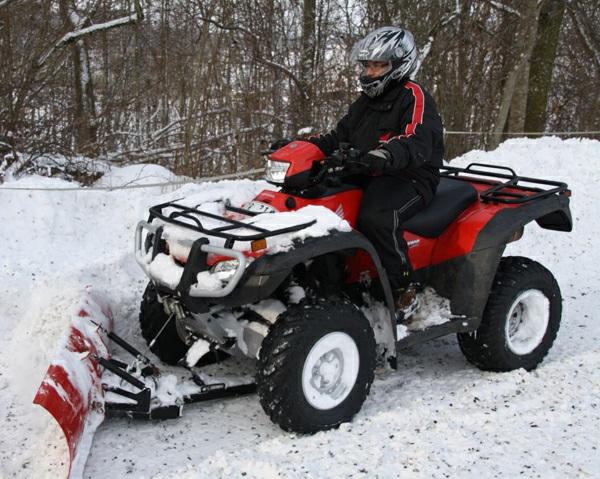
x: 406, y: 302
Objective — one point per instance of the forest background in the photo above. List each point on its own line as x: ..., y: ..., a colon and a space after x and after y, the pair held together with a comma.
x: 203, y: 87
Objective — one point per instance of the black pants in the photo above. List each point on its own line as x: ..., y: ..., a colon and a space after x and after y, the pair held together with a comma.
x: 387, y: 203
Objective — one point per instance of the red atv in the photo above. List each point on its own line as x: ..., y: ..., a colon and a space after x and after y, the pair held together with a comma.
x: 316, y: 356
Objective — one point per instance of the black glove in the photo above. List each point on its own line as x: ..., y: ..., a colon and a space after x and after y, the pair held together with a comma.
x: 279, y: 144
x: 317, y: 141
x: 376, y: 161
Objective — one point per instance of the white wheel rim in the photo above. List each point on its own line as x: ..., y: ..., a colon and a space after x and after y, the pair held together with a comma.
x: 527, y: 321
x: 330, y: 370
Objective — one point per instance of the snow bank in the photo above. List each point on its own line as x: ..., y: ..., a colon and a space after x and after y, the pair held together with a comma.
x: 135, y: 175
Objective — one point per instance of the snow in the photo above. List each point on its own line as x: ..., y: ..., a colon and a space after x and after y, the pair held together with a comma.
x: 270, y: 308
x: 196, y: 351
x: 437, y: 416
x: 433, y: 310
x: 136, y: 175
x: 296, y: 294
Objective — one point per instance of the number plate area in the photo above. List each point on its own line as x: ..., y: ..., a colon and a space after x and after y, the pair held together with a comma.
x: 259, y: 207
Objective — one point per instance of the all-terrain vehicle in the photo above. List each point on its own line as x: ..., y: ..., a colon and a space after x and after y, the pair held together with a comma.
x: 288, y: 281
x: 317, y: 348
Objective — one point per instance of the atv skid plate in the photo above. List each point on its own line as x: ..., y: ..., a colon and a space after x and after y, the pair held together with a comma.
x: 75, y: 390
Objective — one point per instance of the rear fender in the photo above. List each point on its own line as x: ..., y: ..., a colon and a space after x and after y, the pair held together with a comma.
x: 551, y: 213
x: 467, y: 280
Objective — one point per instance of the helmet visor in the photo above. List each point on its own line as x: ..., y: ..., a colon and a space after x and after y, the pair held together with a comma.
x: 373, y: 68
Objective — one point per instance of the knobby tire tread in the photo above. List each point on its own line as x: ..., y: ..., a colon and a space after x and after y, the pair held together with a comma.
x: 487, y: 348
x: 277, y: 388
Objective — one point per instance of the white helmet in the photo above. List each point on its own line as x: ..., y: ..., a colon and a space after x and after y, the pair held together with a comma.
x: 386, y: 44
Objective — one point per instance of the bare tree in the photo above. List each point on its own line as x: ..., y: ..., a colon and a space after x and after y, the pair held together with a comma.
x: 514, y: 92
x: 204, y: 86
x: 542, y: 63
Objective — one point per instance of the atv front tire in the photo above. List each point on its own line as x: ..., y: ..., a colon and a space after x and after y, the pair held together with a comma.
x: 520, y: 321
x: 168, y: 347
x: 316, y: 366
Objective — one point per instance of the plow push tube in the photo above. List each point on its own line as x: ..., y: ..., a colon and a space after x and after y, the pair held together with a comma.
x: 140, y: 403
x: 72, y: 390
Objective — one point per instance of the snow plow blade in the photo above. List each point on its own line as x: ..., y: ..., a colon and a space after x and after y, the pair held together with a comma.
x: 72, y: 389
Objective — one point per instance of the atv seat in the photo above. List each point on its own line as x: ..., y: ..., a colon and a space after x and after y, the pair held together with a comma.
x: 451, y: 199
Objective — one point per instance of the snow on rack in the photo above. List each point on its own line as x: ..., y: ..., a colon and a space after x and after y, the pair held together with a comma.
x: 166, y: 270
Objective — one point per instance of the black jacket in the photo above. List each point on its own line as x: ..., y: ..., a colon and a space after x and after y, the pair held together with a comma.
x: 404, y: 120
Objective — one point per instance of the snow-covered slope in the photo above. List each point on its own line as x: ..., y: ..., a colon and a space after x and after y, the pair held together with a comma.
x: 437, y: 416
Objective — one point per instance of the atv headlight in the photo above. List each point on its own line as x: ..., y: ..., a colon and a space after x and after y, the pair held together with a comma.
x: 276, y: 171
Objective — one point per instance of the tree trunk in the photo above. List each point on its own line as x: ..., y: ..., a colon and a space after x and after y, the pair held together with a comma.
x: 303, y: 116
x: 542, y: 63
x: 84, y: 120
x: 516, y: 120
x: 525, y: 39
x: 85, y: 105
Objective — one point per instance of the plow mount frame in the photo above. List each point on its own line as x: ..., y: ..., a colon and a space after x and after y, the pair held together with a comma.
x: 141, y: 407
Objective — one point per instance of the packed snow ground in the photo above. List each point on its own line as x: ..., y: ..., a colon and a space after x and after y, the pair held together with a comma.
x: 437, y: 416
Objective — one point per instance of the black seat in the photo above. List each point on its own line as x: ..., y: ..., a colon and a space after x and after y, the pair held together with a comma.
x: 451, y: 199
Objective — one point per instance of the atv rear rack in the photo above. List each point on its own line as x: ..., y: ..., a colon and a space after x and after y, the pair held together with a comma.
x: 195, y: 215
x: 509, y: 191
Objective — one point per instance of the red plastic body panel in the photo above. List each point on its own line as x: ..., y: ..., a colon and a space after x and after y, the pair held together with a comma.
x: 345, y: 204
x: 460, y: 237
x: 72, y: 389
x: 457, y: 240
x: 301, y: 155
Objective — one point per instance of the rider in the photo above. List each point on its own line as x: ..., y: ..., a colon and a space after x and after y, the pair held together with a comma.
x: 396, y: 123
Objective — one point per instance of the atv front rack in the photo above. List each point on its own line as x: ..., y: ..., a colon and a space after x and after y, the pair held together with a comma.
x: 195, y: 216
x: 192, y: 219
x: 509, y: 191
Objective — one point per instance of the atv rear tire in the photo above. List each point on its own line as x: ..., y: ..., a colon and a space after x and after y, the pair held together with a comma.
x: 520, y: 321
x: 316, y: 365
x: 168, y: 347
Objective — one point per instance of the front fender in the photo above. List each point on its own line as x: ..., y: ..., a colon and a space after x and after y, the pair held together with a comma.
x: 266, y: 273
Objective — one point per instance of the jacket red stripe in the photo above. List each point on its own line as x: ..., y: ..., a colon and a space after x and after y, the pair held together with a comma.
x: 418, y: 110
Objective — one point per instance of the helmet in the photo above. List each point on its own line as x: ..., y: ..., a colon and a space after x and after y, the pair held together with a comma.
x: 392, y: 44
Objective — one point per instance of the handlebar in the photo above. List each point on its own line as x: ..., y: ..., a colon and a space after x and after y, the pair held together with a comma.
x: 341, y: 159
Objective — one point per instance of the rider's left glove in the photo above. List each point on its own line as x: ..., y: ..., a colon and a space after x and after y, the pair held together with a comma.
x: 377, y: 161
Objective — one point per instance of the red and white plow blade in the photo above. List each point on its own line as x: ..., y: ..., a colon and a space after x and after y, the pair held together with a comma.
x: 72, y: 388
